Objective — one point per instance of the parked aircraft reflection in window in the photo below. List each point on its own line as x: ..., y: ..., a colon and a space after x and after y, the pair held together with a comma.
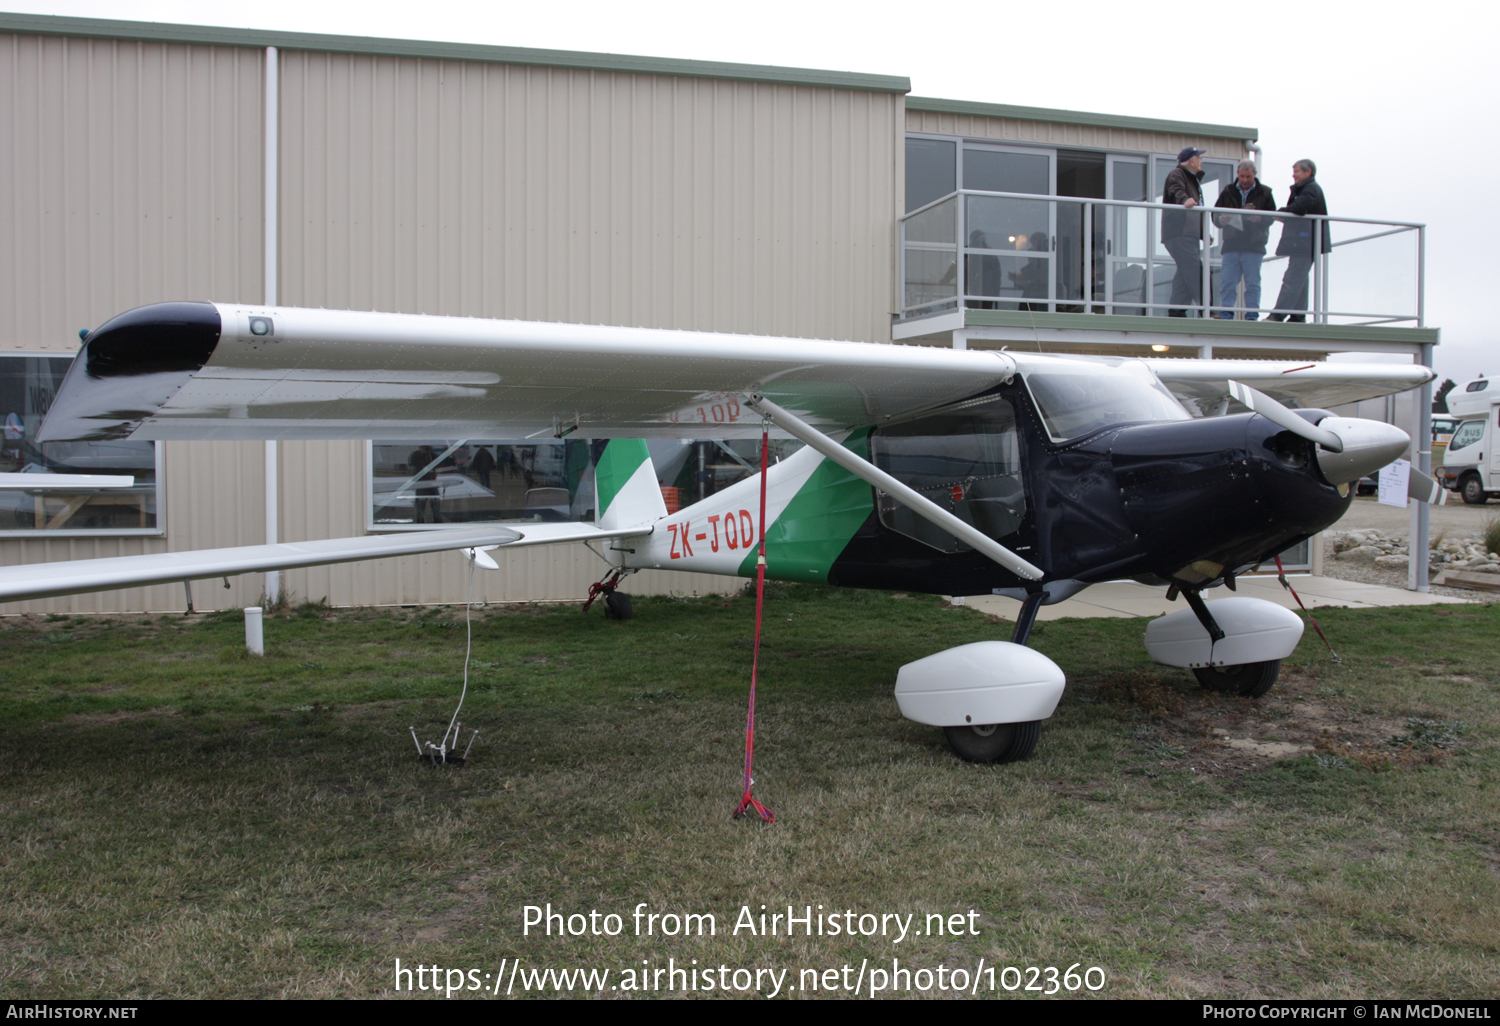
x: 27, y: 387
x: 467, y: 481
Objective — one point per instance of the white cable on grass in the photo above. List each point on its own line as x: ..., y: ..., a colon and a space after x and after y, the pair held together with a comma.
x: 468, y: 648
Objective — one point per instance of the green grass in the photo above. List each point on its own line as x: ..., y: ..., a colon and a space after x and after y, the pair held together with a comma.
x: 181, y: 819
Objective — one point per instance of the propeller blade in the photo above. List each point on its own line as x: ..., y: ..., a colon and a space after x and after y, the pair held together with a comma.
x: 1259, y: 402
x: 1426, y: 489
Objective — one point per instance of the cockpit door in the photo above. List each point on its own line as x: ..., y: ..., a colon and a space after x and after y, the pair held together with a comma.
x: 968, y: 461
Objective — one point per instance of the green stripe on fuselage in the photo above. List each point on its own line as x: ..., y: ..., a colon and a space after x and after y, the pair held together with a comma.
x: 818, y: 523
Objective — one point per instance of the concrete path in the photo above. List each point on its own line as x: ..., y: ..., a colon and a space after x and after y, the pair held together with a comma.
x: 1126, y: 598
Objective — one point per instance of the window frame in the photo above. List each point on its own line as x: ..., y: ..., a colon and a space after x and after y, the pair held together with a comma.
x: 159, y: 467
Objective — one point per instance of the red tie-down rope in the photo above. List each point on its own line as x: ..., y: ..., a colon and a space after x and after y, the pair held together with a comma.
x: 748, y: 802
x: 1281, y: 576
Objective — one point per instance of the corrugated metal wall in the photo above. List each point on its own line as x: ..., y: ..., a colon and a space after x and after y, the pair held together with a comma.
x: 132, y: 175
x: 1121, y: 140
x: 491, y: 190
x: 430, y: 186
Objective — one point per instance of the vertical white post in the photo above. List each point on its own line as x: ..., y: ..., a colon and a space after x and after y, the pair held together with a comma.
x: 272, y: 209
x: 1420, y: 535
x: 255, y: 639
x: 1206, y: 278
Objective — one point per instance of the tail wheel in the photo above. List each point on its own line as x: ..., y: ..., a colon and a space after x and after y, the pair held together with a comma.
x: 1472, y: 490
x: 617, y: 606
x: 994, y: 742
x: 1249, y: 680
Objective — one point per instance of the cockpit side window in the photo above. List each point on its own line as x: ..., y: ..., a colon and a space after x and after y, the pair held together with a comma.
x: 967, y: 461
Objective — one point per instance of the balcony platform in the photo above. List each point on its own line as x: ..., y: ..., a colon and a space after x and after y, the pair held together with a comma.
x: 1119, y: 335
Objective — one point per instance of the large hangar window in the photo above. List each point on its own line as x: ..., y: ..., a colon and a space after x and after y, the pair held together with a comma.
x: 430, y: 483
x: 27, y: 387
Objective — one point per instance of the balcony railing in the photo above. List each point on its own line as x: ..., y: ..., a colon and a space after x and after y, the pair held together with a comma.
x: 1062, y: 254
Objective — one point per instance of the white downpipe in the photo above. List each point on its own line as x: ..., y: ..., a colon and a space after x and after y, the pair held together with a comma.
x: 272, y: 209
x: 1253, y: 146
x: 908, y: 497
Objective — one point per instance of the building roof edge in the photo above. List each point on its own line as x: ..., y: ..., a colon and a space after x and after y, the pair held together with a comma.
x: 213, y: 35
x: 1075, y: 117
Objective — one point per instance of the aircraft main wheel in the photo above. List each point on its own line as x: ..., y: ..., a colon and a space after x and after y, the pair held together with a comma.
x: 617, y: 606
x: 994, y: 742
x: 1472, y: 490
x: 1249, y: 680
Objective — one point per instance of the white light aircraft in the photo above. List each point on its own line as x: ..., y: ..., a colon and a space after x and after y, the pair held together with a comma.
x: 925, y: 469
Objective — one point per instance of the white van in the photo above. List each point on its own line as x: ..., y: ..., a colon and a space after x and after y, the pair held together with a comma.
x: 1473, y: 400
x: 1471, y: 466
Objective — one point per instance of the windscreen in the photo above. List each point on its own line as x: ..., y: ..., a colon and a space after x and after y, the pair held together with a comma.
x: 1078, y: 398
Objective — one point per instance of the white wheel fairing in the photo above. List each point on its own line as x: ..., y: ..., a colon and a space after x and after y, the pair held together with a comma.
x: 1255, y: 631
x: 983, y: 683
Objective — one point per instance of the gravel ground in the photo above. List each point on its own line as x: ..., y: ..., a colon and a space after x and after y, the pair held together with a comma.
x: 1456, y: 520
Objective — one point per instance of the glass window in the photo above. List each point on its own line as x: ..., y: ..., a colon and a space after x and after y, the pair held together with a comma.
x: 27, y: 387
x: 931, y: 170
x: 431, y: 483
x: 1476, y: 386
x: 1469, y: 432
x: 991, y: 170
x: 469, y: 481
x: 1079, y: 398
x: 967, y: 461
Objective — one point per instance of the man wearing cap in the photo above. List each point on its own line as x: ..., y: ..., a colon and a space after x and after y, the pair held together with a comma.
x: 1181, y: 230
x: 1245, y: 237
x: 1297, y: 240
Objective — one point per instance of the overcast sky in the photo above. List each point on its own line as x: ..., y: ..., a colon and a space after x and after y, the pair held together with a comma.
x: 1397, y: 104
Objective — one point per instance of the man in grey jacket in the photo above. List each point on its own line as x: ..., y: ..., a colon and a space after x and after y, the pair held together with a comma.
x: 1181, y: 231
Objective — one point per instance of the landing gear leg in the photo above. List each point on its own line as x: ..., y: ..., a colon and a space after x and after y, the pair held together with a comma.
x: 1026, y: 617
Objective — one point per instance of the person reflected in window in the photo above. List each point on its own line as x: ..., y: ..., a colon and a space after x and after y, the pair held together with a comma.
x: 482, y: 465
x: 1245, y: 238
x: 984, y: 273
x: 1031, y: 279
x: 1297, y: 241
x: 427, y: 506
x: 1182, y: 230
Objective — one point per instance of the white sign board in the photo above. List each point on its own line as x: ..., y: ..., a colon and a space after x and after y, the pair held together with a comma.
x: 1394, y: 480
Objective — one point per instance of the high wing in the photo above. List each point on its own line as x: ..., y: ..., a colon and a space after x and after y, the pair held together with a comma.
x: 217, y: 371
x: 222, y: 371
x: 48, y: 580
x: 1204, y: 384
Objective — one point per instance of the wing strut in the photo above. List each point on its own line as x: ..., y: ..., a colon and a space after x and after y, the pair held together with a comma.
x: 909, y: 497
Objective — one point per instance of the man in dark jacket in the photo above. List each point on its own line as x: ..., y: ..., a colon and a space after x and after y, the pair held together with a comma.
x: 1297, y: 240
x: 1245, y: 237
x: 1181, y: 230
